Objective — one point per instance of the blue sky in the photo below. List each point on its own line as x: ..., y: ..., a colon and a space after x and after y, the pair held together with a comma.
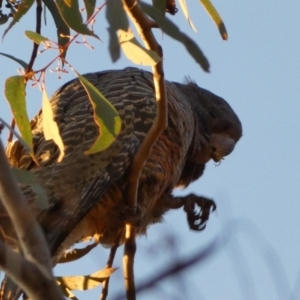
x: 256, y: 188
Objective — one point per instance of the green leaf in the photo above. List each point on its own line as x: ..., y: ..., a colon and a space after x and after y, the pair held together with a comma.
x: 105, y: 115
x: 73, y: 18
x: 87, y: 282
x: 20, y: 61
x: 216, y: 18
x: 135, y: 51
x: 51, y: 131
x: 89, y: 7
x: 23, y: 7
x: 28, y: 178
x: 113, y: 9
x: 3, y: 18
x: 168, y: 27
x: 160, y: 6
x: 186, y: 13
x: 75, y: 254
x: 36, y: 37
x: 15, y: 95
x: 63, y: 30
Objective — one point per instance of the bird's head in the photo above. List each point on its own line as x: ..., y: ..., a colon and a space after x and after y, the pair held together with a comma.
x: 220, y: 125
x: 224, y: 128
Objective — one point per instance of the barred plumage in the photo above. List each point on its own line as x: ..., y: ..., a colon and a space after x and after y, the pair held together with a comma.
x: 87, y: 192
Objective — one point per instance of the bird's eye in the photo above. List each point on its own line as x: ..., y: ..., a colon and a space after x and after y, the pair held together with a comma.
x: 213, y: 114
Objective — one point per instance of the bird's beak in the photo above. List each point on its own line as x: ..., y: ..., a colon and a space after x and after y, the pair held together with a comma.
x: 222, y: 145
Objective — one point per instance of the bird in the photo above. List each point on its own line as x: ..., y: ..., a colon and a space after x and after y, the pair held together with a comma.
x: 87, y: 192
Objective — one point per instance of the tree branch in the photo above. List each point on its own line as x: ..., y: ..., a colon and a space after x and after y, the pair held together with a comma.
x: 28, y: 276
x: 37, y: 30
x: 29, y: 233
x: 111, y: 257
x: 144, y: 27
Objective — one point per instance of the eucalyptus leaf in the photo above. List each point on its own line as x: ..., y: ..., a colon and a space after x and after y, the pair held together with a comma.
x: 63, y: 30
x: 171, y: 29
x: 15, y: 95
x: 76, y: 254
x: 86, y: 282
x: 73, y: 18
x: 113, y: 9
x: 89, y: 7
x: 20, y: 61
x: 23, y: 7
x: 36, y: 37
x: 186, y: 14
x: 51, y: 131
x: 105, y: 115
x: 135, y: 51
x: 216, y: 18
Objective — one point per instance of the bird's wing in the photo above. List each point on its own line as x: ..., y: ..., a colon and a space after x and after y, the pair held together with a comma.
x: 76, y: 183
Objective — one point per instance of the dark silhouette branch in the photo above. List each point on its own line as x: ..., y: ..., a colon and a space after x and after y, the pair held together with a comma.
x: 30, y: 236
x: 31, y: 278
x: 111, y: 257
x: 37, y: 30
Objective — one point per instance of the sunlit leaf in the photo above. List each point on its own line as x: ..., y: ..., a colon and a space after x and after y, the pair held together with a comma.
x: 28, y: 178
x: 75, y: 254
x: 186, y: 13
x: 216, y: 18
x: 51, y: 131
x: 23, y: 7
x: 86, y: 282
x: 89, y: 7
x: 168, y: 27
x: 67, y: 292
x: 15, y: 95
x: 68, y: 2
x: 105, y: 116
x: 36, y: 37
x: 135, y: 51
x: 113, y: 9
x: 20, y: 61
x: 63, y: 30
x: 73, y: 18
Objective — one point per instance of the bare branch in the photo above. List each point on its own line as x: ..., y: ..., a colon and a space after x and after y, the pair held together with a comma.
x: 111, y: 257
x: 28, y: 276
x: 37, y: 30
x: 30, y: 235
x: 144, y: 27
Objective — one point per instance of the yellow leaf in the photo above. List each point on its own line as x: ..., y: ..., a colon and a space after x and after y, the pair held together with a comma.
x: 75, y: 254
x: 186, y: 13
x: 50, y: 127
x: 86, y: 282
x: 135, y: 51
x: 215, y: 17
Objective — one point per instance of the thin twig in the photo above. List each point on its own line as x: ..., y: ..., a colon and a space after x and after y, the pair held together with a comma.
x: 39, y: 10
x: 11, y: 131
x: 111, y: 257
x: 144, y: 27
x: 200, y: 256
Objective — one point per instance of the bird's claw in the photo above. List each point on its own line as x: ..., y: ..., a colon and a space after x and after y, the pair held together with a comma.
x: 198, y: 216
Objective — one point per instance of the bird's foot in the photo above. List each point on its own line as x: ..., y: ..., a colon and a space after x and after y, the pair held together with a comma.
x: 198, y: 209
x: 131, y: 215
